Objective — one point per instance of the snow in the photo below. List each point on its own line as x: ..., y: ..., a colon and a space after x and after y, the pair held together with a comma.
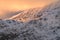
x: 27, y: 15
x: 46, y: 27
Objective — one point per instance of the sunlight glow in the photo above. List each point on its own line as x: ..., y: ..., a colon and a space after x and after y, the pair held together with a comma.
x: 13, y: 5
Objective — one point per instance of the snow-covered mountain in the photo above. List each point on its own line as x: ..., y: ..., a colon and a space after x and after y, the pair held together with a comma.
x: 34, y: 13
x: 29, y: 14
x: 9, y: 13
x: 46, y: 27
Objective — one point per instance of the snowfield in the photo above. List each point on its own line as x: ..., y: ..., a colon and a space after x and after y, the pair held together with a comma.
x: 45, y: 27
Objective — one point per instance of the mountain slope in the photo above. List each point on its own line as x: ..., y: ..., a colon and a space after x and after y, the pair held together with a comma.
x: 46, y: 27
x: 26, y: 15
x: 9, y: 13
x: 35, y: 13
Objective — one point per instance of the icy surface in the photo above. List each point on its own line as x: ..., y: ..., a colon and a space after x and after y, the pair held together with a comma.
x: 46, y: 27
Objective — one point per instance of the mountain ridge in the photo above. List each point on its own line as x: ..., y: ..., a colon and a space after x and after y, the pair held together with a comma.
x: 26, y: 14
x: 34, y: 13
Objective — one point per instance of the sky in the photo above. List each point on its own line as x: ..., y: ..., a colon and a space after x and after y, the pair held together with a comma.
x: 13, y: 5
x: 23, y: 4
